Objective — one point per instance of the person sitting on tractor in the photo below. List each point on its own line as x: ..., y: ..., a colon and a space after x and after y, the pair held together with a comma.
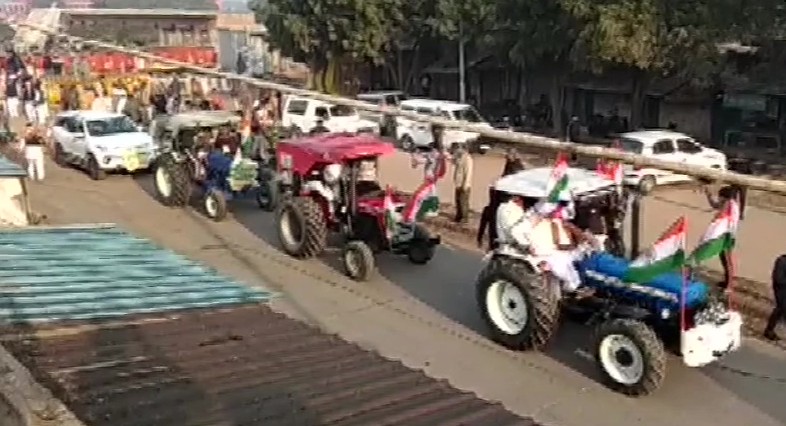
x: 226, y: 141
x: 551, y: 240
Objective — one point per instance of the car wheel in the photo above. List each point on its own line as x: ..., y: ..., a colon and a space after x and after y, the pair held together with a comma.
x: 94, y: 169
x: 60, y: 156
x: 647, y: 184
x: 406, y: 143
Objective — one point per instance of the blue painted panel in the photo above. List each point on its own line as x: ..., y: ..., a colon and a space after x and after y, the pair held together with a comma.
x: 84, y: 273
x: 10, y: 169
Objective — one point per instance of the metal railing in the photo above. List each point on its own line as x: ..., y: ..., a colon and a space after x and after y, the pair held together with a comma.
x: 524, y: 139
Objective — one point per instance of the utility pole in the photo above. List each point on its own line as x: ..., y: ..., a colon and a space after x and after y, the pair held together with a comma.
x: 462, y: 67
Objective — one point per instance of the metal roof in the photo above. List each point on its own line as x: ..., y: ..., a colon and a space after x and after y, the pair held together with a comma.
x: 242, y: 366
x: 10, y: 169
x: 99, y: 271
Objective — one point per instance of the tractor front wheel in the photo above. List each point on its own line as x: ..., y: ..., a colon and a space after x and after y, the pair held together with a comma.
x: 216, y: 205
x: 519, y: 305
x: 358, y: 260
x: 630, y: 356
x: 301, y: 225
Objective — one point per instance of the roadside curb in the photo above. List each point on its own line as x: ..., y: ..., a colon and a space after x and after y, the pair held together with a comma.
x: 33, y: 404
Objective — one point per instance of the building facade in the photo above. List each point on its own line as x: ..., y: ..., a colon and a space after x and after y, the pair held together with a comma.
x: 143, y: 27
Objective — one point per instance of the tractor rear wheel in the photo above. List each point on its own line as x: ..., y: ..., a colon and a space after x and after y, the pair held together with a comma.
x: 519, y: 305
x: 172, y: 181
x: 301, y: 225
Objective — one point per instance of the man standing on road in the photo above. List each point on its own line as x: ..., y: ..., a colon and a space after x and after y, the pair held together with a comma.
x: 726, y: 193
x: 779, y: 292
x: 488, y: 220
x: 462, y: 181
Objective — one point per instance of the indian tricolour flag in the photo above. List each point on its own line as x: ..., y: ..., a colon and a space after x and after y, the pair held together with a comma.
x: 424, y: 203
x: 666, y: 255
x: 556, y: 188
x: 390, y: 214
x: 720, y: 235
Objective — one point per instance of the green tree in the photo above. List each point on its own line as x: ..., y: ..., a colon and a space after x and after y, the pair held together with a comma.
x: 541, y: 36
x: 652, y: 38
x: 329, y: 34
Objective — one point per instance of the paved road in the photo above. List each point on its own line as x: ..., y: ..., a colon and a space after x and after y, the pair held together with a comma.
x: 426, y: 316
x: 762, y: 236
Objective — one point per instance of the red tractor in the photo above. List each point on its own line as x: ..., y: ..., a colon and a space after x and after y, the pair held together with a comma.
x: 332, y: 185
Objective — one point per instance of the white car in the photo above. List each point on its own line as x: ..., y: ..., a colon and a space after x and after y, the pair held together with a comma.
x: 412, y: 134
x: 302, y: 114
x: 101, y: 142
x: 666, y: 145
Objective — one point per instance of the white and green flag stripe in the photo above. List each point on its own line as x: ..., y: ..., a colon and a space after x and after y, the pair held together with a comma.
x: 720, y: 235
x: 666, y: 255
x: 390, y: 214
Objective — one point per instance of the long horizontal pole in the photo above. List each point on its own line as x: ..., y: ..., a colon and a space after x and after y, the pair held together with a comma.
x: 525, y: 139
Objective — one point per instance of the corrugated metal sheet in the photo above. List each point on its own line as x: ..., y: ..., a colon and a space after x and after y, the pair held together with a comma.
x: 10, y: 169
x: 101, y: 272
x: 243, y: 366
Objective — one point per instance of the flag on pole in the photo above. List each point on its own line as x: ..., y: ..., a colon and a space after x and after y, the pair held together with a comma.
x: 390, y: 214
x: 720, y: 235
x: 557, y: 189
x: 611, y: 170
x: 666, y: 255
x: 424, y: 203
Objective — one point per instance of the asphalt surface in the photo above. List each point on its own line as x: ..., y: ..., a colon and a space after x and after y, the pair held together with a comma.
x: 427, y: 316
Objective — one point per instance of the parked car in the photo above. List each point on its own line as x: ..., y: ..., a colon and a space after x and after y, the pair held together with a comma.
x: 101, y: 142
x: 666, y: 145
x: 389, y: 98
x: 413, y: 135
x: 302, y: 114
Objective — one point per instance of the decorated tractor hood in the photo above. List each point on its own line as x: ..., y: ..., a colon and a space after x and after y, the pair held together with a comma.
x: 532, y: 182
x: 304, y: 153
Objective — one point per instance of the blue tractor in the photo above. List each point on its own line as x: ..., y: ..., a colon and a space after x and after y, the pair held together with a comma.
x: 522, y: 301
x: 184, y: 166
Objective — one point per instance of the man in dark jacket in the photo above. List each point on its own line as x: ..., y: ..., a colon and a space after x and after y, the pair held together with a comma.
x: 488, y: 223
x: 779, y: 291
x: 513, y: 163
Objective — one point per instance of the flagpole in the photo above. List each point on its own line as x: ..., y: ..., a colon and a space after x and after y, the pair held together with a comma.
x: 732, y: 272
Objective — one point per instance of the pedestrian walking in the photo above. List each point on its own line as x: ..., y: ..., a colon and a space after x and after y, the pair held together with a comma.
x: 462, y: 181
x: 513, y: 163
x: 725, y: 193
x: 779, y: 291
x: 488, y: 220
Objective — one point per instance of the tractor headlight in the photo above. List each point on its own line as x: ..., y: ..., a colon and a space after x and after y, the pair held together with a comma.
x: 665, y: 314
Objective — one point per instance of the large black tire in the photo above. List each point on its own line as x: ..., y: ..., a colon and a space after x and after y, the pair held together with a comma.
x: 420, y: 250
x: 179, y: 181
x: 624, y: 345
x: 358, y: 260
x: 535, y: 296
x: 267, y: 194
x: 305, y: 214
x: 216, y: 205
x: 94, y: 169
x: 59, y: 156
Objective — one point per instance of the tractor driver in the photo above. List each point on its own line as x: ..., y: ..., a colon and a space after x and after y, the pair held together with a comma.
x: 227, y: 141
x: 552, y: 240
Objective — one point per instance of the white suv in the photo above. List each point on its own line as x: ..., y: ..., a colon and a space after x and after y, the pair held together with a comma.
x: 412, y: 134
x: 666, y: 145
x: 101, y: 142
x: 301, y: 114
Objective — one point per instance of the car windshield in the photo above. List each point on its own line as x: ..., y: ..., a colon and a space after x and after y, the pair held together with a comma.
x: 111, y: 126
x: 467, y: 114
x: 631, y: 145
x: 342, y: 111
